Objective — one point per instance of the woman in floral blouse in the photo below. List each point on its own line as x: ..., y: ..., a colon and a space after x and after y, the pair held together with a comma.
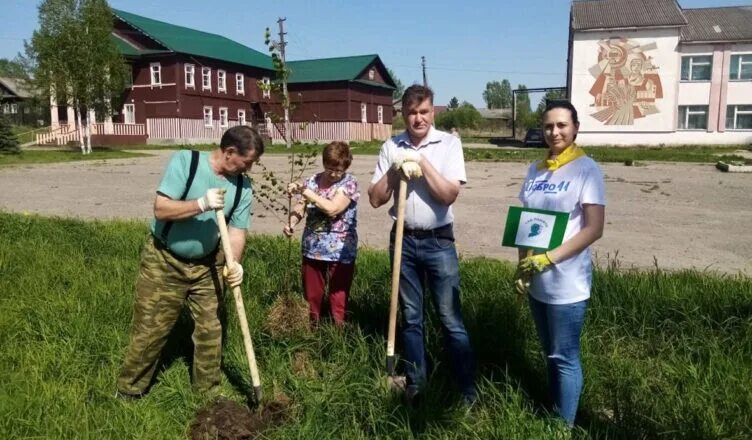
x: 330, y: 241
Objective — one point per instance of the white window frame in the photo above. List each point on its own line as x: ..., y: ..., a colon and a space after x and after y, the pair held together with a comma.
x: 223, y: 117
x: 372, y: 74
x: 241, y: 117
x: 267, y: 92
x: 239, y: 84
x: 208, y: 116
x: 363, y: 112
x: 380, y: 113
x: 738, y: 112
x: 155, y: 68
x: 688, y: 113
x: 132, y: 113
x: 13, y: 108
x: 692, y: 63
x: 742, y: 62
x: 221, y: 81
x: 190, y: 76
x: 206, y: 78
x: 6, y: 108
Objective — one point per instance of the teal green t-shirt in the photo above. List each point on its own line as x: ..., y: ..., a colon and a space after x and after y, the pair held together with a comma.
x: 198, y: 236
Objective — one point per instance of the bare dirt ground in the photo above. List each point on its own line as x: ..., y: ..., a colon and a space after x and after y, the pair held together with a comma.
x: 680, y: 215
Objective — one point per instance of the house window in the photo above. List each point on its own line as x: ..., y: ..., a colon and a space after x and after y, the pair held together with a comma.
x: 741, y: 67
x: 363, y: 112
x: 221, y: 81
x: 6, y: 108
x: 156, y: 74
x: 693, y: 117
x: 241, y: 117
x: 208, y: 116
x: 380, y: 113
x: 239, y: 84
x: 267, y: 93
x: 223, y: 117
x: 696, y: 68
x: 206, y: 78
x: 129, y: 113
x: 14, y: 108
x: 739, y: 117
x: 372, y: 74
x: 190, y: 76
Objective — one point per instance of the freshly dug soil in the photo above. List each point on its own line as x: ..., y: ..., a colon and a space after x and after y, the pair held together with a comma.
x: 225, y: 419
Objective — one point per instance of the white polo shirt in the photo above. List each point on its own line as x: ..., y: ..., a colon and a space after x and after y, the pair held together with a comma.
x: 444, y: 152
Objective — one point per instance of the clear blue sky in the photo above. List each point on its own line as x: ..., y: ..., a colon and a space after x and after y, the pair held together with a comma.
x: 466, y: 43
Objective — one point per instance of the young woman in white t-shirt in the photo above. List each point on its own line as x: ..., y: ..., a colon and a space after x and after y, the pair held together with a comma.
x: 566, y: 181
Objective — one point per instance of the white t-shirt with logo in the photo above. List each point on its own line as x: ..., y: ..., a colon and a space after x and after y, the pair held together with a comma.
x: 575, y: 184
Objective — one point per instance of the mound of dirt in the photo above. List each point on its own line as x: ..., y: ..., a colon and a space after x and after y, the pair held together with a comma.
x: 288, y: 316
x: 225, y: 419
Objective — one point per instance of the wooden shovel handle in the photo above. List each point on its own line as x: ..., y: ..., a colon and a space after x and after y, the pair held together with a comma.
x: 239, y: 306
x: 396, y: 264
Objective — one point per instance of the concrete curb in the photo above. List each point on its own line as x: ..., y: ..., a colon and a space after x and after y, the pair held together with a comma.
x: 730, y: 168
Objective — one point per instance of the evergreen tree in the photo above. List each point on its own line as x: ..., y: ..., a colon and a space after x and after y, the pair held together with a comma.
x: 8, y: 141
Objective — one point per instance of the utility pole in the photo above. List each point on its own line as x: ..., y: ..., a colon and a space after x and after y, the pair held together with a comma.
x: 285, y: 98
x: 423, y: 63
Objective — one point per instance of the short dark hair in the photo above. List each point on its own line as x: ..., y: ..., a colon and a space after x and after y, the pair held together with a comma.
x: 337, y: 153
x: 244, y: 139
x: 416, y: 94
x: 562, y: 103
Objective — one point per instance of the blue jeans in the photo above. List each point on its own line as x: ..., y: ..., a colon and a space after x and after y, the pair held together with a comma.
x: 559, y: 328
x: 435, y: 259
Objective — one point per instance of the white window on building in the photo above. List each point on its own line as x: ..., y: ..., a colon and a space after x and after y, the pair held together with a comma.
x: 696, y: 67
x: 129, y: 113
x: 267, y: 93
x: 372, y: 74
x: 156, y: 74
x: 363, y: 112
x: 13, y: 108
x: 739, y: 117
x: 221, y: 81
x: 241, y: 117
x: 208, y: 116
x: 206, y: 78
x: 741, y: 67
x: 240, y: 84
x: 190, y: 76
x: 223, y: 117
x: 380, y: 113
x: 693, y: 117
x: 6, y: 108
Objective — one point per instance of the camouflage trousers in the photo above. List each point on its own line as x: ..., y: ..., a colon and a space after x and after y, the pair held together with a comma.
x: 165, y: 283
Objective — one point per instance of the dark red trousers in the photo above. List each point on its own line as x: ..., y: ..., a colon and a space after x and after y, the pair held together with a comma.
x: 316, y: 274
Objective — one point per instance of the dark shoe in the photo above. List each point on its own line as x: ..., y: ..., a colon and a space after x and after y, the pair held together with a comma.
x: 412, y: 396
x: 127, y: 397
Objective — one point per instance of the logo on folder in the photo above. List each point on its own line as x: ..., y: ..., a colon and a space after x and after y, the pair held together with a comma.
x: 534, y: 228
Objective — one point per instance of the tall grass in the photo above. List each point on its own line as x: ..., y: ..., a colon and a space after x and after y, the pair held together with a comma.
x: 666, y: 355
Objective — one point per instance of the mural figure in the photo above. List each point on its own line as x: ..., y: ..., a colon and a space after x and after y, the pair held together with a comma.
x: 627, y: 83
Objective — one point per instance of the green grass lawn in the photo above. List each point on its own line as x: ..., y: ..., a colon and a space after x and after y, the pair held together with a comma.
x: 666, y: 355
x: 32, y: 157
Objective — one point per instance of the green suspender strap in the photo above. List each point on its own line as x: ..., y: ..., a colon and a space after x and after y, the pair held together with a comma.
x: 188, y: 183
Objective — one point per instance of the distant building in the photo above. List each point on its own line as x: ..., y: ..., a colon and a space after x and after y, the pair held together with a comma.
x: 17, y: 103
x: 649, y: 72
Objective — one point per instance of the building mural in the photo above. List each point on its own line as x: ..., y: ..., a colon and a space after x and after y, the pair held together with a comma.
x: 627, y: 83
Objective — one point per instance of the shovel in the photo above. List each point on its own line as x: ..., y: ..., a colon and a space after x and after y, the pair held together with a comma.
x: 250, y: 355
x: 396, y: 263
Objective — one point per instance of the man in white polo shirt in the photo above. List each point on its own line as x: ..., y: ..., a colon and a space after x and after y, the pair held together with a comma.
x: 432, y: 160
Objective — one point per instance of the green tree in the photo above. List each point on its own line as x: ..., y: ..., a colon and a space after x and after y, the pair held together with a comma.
x: 12, y: 68
x: 453, y: 103
x: 525, y: 118
x: 72, y: 55
x: 463, y: 117
x: 492, y: 94
x: 400, y: 88
x: 506, y: 94
x: 8, y: 141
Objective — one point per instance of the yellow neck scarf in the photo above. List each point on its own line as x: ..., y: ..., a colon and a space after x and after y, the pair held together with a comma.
x: 571, y: 153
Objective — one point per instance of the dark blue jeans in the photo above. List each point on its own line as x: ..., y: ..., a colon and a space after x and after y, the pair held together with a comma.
x: 435, y: 260
x: 559, y: 327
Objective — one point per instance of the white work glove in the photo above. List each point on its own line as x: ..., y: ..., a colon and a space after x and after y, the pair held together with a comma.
x: 411, y: 170
x: 233, y: 274
x: 213, y: 199
x: 409, y: 163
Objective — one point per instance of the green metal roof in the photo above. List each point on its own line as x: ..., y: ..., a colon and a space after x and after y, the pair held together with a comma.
x: 129, y: 50
x: 332, y: 69
x: 190, y: 41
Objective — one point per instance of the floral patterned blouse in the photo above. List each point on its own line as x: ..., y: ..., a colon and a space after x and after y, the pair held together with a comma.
x: 332, y: 239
